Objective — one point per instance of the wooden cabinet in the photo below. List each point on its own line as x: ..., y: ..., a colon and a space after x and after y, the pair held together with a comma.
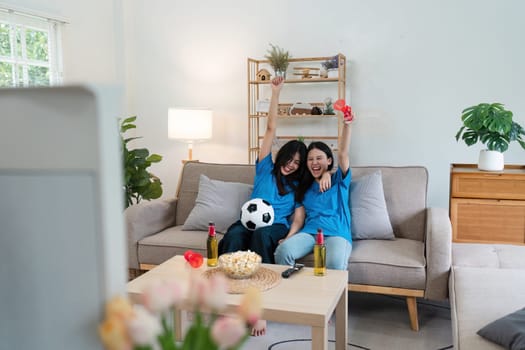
x: 487, y: 207
x: 311, y: 90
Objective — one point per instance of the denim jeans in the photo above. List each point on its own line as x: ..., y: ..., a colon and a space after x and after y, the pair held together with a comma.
x: 262, y: 241
x: 338, y: 250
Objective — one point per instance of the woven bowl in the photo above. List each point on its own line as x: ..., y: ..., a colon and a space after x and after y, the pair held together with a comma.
x: 241, y: 264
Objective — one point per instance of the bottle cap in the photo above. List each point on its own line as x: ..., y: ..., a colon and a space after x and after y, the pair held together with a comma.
x: 320, y: 237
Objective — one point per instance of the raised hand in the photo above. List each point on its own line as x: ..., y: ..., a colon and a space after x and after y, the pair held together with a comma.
x: 277, y: 84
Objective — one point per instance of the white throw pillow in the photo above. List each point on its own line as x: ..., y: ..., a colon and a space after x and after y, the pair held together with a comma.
x: 219, y: 202
x: 368, y: 208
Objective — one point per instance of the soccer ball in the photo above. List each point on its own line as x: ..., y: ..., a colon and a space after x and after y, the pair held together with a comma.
x: 256, y: 213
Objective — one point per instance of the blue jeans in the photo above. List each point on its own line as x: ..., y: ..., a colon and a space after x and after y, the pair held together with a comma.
x: 338, y: 250
x: 262, y: 241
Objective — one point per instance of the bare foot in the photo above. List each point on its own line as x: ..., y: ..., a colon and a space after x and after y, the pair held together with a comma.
x: 259, y: 328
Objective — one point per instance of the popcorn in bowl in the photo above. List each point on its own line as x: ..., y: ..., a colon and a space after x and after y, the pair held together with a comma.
x: 240, y: 264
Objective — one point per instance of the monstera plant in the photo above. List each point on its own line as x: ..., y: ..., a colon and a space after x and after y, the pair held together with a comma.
x: 139, y: 183
x: 493, y: 126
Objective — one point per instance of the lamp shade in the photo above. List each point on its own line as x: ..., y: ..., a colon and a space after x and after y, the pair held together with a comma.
x: 189, y: 125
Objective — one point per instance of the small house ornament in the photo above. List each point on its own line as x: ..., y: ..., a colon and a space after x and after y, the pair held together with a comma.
x: 263, y: 75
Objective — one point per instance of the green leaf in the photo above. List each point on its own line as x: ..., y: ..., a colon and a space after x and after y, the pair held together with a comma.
x: 154, y: 158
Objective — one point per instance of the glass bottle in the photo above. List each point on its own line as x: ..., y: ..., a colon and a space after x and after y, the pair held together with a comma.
x: 212, y: 247
x: 319, y: 254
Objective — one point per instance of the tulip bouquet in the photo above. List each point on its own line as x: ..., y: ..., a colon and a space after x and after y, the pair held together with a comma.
x: 146, y: 326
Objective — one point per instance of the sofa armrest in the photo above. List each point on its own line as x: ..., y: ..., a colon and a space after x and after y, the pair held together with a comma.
x: 438, y: 251
x: 145, y: 219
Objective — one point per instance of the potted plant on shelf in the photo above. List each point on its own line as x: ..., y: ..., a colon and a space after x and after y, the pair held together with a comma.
x: 279, y: 59
x: 139, y: 183
x: 332, y: 67
x: 493, y: 126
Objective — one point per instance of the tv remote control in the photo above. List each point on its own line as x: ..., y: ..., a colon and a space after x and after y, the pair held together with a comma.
x: 288, y: 272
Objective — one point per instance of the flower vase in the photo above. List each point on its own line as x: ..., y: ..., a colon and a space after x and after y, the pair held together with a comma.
x: 490, y: 160
x: 280, y: 73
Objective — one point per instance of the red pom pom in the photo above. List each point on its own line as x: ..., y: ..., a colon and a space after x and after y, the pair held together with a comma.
x: 339, y: 105
x: 194, y: 259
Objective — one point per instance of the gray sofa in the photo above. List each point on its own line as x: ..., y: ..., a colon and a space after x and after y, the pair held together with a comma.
x: 414, y: 265
x: 487, y: 282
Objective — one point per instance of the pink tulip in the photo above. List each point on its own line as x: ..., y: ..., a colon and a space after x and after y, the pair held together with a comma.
x: 250, y: 308
x: 228, y: 331
x: 160, y: 296
x: 144, y: 327
x: 216, y: 293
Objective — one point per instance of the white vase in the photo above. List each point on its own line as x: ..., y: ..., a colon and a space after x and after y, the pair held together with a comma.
x: 490, y: 160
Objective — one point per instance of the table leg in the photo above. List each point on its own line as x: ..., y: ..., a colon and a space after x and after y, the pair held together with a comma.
x: 320, y: 338
x: 341, y: 321
x: 177, y: 323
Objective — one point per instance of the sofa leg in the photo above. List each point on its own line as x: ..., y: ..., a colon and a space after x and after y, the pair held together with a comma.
x: 412, y: 313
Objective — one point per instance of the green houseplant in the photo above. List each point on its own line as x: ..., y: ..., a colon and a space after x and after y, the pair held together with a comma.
x: 139, y: 183
x: 279, y: 59
x: 491, y: 125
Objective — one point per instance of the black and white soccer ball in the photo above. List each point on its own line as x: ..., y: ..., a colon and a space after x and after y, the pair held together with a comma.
x: 256, y: 213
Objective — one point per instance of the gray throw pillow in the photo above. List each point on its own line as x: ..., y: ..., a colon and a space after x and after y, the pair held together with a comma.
x: 368, y: 208
x: 217, y: 201
x: 508, y: 331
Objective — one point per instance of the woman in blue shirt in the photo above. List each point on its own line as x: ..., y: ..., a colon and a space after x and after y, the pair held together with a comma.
x: 325, y: 208
x: 276, y: 183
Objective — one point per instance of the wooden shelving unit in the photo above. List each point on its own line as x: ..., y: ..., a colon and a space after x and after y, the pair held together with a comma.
x: 255, y: 119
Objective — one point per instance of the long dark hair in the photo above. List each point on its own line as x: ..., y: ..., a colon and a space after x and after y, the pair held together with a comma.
x: 285, y: 154
x: 308, y: 179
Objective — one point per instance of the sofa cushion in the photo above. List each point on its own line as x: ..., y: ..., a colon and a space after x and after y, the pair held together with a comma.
x: 397, y: 263
x: 507, y: 331
x: 503, y: 256
x: 368, y: 208
x: 173, y: 241
x: 219, y: 202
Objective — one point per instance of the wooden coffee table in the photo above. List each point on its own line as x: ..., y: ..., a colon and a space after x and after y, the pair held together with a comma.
x: 302, y: 299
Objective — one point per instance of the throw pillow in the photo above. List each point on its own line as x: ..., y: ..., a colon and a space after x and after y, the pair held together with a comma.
x: 508, y: 331
x: 368, y: 208
x: 219, y: 202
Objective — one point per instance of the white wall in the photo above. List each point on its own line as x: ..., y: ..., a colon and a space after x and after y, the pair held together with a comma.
x: 414, y: 65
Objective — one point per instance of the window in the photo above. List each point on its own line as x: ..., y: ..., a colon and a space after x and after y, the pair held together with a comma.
x: 30, y: 50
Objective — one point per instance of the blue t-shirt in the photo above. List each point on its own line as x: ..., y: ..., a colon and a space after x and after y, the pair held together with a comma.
x: 329, y: 210
x: 265, y: 187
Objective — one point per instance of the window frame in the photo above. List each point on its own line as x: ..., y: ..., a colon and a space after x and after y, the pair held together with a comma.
x: 22, y: 22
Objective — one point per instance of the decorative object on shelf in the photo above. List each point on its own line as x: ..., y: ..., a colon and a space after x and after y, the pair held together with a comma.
x: 279, y: 59
x: 305, y: 72
x: 139, y: 183
x: 331, y: 65
x: 189, y: 126
x: 263, y: 75
x: 263, y: 106
x: 301, y: 108
x: 146, y: 326
x: 329, y: 106
x: 316, y: 111
x: 283, y: 109
x: 493, y: 126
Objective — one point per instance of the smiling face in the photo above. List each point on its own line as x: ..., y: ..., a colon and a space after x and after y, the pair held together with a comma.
x: 292, y: 165
x: 317, y: 162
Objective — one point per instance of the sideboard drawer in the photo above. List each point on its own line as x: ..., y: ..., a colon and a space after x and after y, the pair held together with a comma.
x: 497, y: 186
x: 488, y: 221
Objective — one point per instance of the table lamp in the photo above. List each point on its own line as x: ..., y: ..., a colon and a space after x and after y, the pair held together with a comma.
x: 190, y: 126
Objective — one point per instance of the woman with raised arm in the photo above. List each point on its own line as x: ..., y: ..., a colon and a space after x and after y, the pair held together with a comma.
x: 327, y: 209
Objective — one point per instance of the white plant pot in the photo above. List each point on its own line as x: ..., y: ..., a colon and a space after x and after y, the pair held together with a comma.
x: 490, y: 160
x: 333, y: 73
